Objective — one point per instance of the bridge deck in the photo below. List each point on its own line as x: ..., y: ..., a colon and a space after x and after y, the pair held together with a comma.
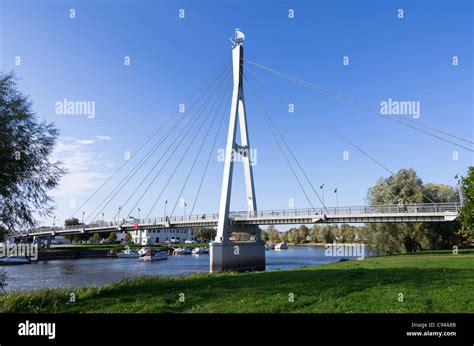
x: 440, y: 212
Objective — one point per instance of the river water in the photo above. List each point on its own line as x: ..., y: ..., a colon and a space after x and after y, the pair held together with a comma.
x: 101, y: 271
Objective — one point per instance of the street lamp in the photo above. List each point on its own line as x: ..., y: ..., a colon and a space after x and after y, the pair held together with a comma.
x: 185, y: 205
x: 118, y: 214
x: 459, y: 179
x: 102, y: 218
x: 139, y: 214
x: 322, y: 191
x: 166, y: 203
x: 83, y: 216
x: 337, y: 199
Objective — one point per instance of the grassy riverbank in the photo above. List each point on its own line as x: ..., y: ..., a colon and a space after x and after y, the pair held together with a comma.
x: 435, y: 281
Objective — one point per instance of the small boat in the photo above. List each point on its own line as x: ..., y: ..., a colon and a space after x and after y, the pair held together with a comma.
x: 128, y: 254
x: 153, y: 256
x: 144, y: 250
x: 269, y: 247
x: 183, y: 251
x: 281, y: 246
x: 12, y: 260
x: 199, y: 251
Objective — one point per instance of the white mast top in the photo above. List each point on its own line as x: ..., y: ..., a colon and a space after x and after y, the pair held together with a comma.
x: 238, y: 39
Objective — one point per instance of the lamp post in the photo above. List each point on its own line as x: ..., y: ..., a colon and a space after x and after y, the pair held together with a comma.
x: 185, y: 205
x: 118, y: 214
x: 337, y: 199
x: 322, y: 191
x: 139, y: 215
x: 83, y: 216
x: 166, y: 203
x: 103, y: 218
x: 459, y: 179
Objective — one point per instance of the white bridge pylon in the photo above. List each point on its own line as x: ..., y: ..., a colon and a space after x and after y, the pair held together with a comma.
x: 233, y: 148
x: 226, y: 254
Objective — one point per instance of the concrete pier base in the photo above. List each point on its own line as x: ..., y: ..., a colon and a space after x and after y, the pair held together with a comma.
x: 237, y: 256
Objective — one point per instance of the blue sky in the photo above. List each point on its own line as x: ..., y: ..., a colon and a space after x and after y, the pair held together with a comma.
x: 402, y: 59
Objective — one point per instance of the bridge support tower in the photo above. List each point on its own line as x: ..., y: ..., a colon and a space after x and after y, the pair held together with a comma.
x: 226, y: 254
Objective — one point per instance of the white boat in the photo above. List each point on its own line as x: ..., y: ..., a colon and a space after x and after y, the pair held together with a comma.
x: 153, y: 256
x: 12, y: 260
x: 281, y: 246
x: 143, y: 250
x: 182, y: 251
x: 199, y: 251
x: 269, y: 247
x: 127, y: 253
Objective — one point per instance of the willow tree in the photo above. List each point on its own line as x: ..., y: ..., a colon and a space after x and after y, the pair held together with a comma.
x: 27, y: 172
x: 407, y: 188
x: 467, y: 210
x: 404, y: 187
x: 441, y: 235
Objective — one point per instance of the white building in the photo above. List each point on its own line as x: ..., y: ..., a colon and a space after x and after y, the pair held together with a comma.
x: 161, y: 236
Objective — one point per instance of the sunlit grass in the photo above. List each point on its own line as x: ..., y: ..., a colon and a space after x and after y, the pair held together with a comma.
x: 434, y: 281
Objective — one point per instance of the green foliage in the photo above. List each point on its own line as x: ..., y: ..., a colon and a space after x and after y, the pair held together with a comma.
x: 403, y: 187
x: 440, y: 193
x: 81, y: 237
x: 293, y: 236
x: 273, y: 234
x: 240, y: 236
x: 314, y: 234
x: 203, y: 233
x: 26, y: 173
x: 303, y: 232
x: 406, y: 187
x: 328, y: 235
x: 467, y: 211
x: 3, y: 233
x: 113, y: 236
x: 127, y: 237
x: 96, y: 238
x: 72, y: 221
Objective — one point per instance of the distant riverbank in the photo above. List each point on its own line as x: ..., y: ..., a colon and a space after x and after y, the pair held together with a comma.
x: 433, y: 281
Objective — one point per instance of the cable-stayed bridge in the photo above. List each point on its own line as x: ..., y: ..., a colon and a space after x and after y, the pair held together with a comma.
x: 425, y: 212
x: 206, y: 110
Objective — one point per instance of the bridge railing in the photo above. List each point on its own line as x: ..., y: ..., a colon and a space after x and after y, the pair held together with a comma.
x: 172, y: 219
x: 354, y: 210
x: 329, y: 211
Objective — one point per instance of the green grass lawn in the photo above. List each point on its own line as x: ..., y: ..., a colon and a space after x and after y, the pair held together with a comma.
x: 435, y: 281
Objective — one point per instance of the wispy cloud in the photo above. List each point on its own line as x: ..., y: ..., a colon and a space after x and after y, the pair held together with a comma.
x: 90, y: 141
x: 104, y: 138
x: 85, y: 141
x: 84, y: 164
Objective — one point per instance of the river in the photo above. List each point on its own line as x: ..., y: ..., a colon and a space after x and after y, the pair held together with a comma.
x: 101, y: 271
